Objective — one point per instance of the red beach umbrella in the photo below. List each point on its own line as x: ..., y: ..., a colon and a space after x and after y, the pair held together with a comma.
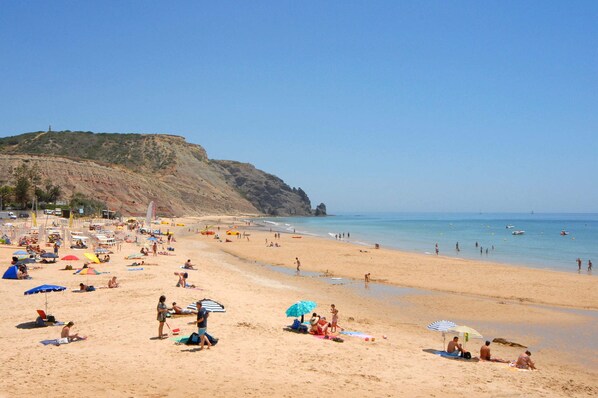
x: 70, y: 257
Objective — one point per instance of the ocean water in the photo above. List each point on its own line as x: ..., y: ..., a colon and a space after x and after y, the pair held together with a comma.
x: 541, y: 246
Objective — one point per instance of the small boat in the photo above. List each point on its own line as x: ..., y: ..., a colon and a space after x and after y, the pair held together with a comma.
x: 563, y: 233
x: 518, y: 232
x: 510, y: 226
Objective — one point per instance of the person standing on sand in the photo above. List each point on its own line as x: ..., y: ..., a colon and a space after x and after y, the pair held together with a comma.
x: 334, y: 324
x: 298, y: 263
x: 578, y: 264
x: 155, y: 248
x: 436, y: 248
x: 162, y: 310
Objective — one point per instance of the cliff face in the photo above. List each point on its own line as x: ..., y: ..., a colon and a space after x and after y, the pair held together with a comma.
x: 127, y: 171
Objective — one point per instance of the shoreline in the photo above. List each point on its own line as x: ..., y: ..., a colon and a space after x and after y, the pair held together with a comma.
x: 547, y: 263
x: 556, y: 279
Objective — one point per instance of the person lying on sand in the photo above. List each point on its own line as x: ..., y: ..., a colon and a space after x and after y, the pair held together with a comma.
x: 85, y: 288
x: 485, y: 354
x: 66, y: 333
x: 181, y: 311
x: 112, y: 283
x: 525, y: 362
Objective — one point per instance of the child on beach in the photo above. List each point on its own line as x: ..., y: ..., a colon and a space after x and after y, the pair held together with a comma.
x: 334, y: 324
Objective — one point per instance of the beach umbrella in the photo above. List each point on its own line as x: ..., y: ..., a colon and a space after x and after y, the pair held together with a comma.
x: 134, y: 255
x: 92, y: 257
x: 441, y: 326
x: 20, y: 252
x: 466, y: 331
x: 153, y: 239
x: 87, y: 271
x: 209, y: 304
x: 301, y: 308
x: 101, y: 250
x: 45, y: 289
x: 70, y: 257
x: 49, y: 255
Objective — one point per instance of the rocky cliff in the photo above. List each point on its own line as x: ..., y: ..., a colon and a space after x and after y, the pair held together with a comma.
x: 127, y: 171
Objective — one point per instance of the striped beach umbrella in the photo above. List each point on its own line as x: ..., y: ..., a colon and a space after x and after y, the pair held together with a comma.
x: 442, y: 326
x: 209, y: 304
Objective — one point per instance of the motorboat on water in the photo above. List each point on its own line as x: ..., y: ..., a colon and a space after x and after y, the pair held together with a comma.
x: 518, y: 232
x: 510, y: 226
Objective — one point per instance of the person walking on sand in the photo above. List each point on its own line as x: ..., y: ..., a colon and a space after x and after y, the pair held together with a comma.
x: 162, y: 310
x: 589, y: 265
x: 202, y: 325
x: 155, y: 248
x: 298, y: 263
x: 334, y: 324
x: 578, y: 264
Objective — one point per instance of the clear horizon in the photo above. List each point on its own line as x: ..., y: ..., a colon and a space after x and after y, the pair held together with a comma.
x: 388, y: 106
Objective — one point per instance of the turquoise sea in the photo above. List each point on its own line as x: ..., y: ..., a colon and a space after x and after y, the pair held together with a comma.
x: 541, y: 246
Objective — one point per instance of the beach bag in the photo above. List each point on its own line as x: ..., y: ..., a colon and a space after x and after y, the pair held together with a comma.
x: 193, y: 339
x: 467, y: 355
x: 212, y: 340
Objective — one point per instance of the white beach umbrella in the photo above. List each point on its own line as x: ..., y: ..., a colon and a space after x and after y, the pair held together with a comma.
x: 442, y: 326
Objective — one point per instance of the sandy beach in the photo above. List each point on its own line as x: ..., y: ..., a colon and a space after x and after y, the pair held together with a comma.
x: 553, y: 313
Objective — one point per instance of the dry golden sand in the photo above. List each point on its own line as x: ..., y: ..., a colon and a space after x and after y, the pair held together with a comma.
x: 255, y: 357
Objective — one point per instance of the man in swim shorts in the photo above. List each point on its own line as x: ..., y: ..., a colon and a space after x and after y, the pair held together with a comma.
x: 202, y: 325
x: 454, y: 348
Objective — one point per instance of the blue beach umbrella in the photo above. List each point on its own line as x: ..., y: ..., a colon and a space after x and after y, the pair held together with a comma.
x: 301, y: 308
x: 45, y: 289
x: 152, y: 239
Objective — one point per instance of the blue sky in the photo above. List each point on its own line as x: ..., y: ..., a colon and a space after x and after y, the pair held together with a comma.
x: 367, y: 106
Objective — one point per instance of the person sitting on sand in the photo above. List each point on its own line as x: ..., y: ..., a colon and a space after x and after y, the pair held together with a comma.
x: 314, y: 323
x: 454, y: 348
x: 181, y: 311
x: 323, y: 326
x: 112, y: 283
x: 525, y: 362
x: 485, y: 354
x: 66, y: 333
x: 188, y: 265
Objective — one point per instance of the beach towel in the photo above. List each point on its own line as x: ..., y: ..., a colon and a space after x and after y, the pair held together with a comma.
x: 209, y: 304
x: 135, y: 269
x: 190, y: 269
x: 445, y: 354
x: 356, y: 334
x: 58, y: 342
